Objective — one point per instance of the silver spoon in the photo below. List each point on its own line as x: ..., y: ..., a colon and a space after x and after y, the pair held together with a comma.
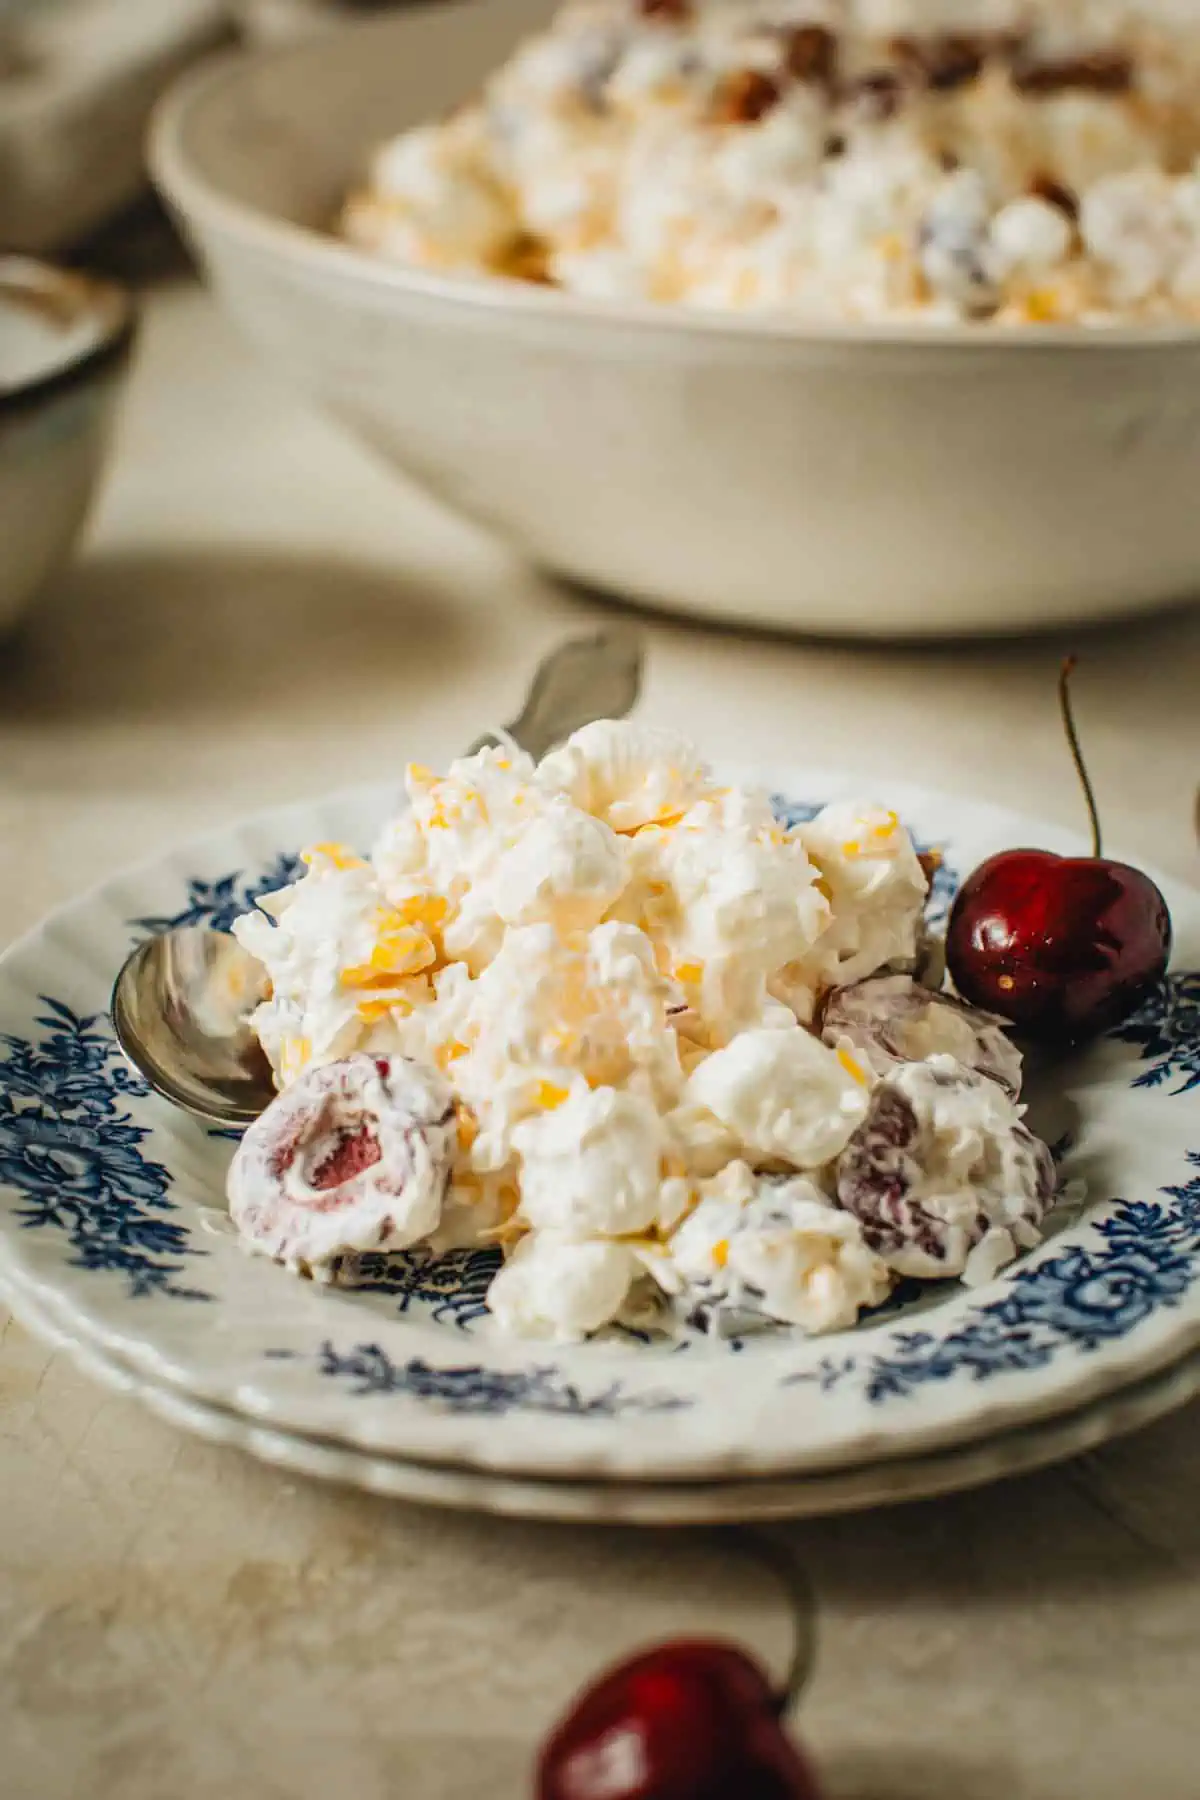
x: 181, y: 1000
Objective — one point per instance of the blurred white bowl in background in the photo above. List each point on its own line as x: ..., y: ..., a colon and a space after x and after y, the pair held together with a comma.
x: 64, y: 344
x: 908, y: 481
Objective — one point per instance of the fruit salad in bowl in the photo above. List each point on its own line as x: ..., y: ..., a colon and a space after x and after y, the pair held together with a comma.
x: 675, y: 1057
x: 1021, y: 161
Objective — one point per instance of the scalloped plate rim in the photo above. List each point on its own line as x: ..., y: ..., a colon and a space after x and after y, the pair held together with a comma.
x: 869, y: 1487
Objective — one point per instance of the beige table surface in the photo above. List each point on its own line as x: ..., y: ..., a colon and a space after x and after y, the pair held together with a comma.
x: 260, y: 613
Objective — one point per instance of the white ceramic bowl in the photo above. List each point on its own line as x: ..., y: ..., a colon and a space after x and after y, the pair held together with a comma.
x: 875, y: 481
x: 64, y: 343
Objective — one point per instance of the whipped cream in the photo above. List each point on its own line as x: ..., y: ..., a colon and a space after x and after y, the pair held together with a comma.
x: 343, y: 962
x: 552, y: 1010
x: 558, y: 1288
x: 877, y: 890
x: 782, y: 1096
x: 779, y: 1248
x: 628, y: 775
x: 592, y: 1167
x: 734, y: 904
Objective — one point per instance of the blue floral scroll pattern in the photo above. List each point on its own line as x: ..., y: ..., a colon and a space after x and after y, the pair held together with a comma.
x: 218, y: 902
x: 1167, y: 1032
x: 1080, y: 1299
x: 451, y: 1288
x: 471, y: 1388
x: 72, y: 1151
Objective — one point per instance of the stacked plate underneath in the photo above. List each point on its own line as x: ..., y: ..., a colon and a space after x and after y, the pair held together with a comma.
x: 115, y: 1244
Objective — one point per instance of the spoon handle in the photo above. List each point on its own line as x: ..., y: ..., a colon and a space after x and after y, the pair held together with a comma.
x: 598, y: 677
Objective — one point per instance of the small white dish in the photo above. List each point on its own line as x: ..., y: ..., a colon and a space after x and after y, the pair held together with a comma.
x: 880, y: 481
x: 283, y: 21
x: 78, y: 81
x: 65, y: 341
x: 895, y: 1483
x: 112, y: 1218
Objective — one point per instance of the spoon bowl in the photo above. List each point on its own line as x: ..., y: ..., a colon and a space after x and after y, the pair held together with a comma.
x: 180, y: 1010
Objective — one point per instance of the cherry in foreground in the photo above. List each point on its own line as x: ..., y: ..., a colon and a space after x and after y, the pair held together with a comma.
x: 1064, y: 947
x: 694, y: 1720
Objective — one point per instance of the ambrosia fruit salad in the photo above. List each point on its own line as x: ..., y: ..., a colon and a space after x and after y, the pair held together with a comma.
x: 675, y: 1058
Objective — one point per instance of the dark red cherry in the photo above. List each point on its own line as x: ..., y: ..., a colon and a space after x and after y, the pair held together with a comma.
x: 694, y: 1720
x: 1064, y: 947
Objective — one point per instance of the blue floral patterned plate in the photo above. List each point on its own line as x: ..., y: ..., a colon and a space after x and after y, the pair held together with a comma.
x: 112, y: 1224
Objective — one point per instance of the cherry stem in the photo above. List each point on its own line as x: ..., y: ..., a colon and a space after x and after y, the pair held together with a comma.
x: 788, y: 1571
x: 1085, y: 780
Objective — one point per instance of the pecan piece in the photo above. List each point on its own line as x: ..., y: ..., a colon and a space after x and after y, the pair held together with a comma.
x: 746, y: 97
x: 677, y: 12
x: 930, y: 861
x: 1056, y: 193
x: 946, y: 62
x: 810, y: 53
x: 1101, y: 72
